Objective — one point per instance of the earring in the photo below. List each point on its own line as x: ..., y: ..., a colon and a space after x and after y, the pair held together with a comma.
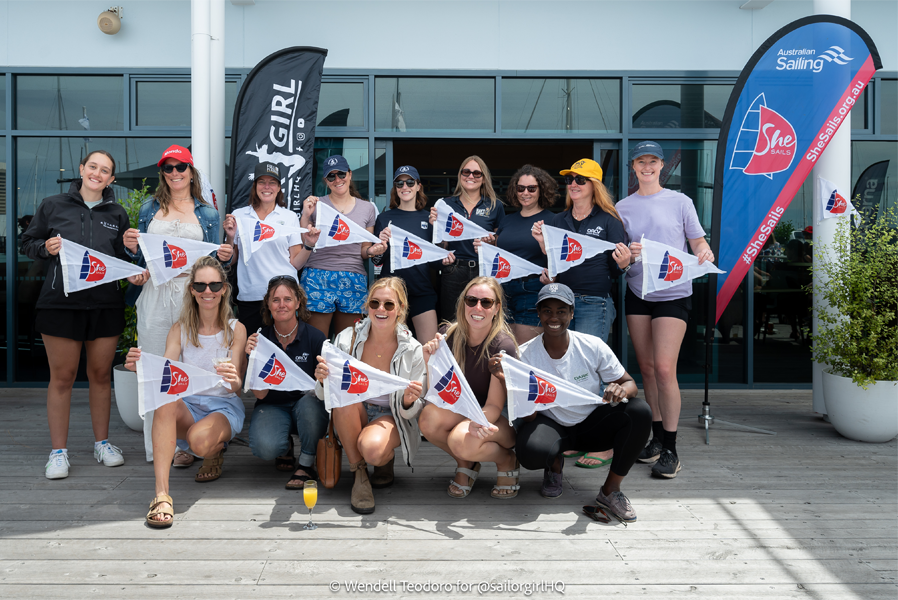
x: 191, y: 181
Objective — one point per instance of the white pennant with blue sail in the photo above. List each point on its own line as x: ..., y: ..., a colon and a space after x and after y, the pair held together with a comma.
x: 503, y: 265
x: 270, y: 368
x: 254, y: 233
x: 169, y: 256
x: 664, y: 267
x: 408, y: 250
x: 832, y: 203
x: 566, y: 249
x: 337, y: 229
x: 452, y: 227
x: 161, y: 381
x: 83, y: 268
x: 349, y: 380
x: 531, y: 389
x: 448, y: 387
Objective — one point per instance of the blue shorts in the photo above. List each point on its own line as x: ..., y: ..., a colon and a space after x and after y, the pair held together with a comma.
x: 520, y: 298
x: 376, y: 411
x: 231, y: 407
x: 329, y: 291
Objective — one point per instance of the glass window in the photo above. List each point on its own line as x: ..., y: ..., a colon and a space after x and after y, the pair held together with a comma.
x: 688, y: 106
x: 434, y: 104
x: 859, y: 118
x: 874, y: 171
x: 232, y: 88
x: 69, y: 103
x: 2, y: 101
x: 888, y: 112
x: 561, y: 105
x: 356, y: 154
x: 163, y: 103
x: 341, y: 104
x: 3, y: 341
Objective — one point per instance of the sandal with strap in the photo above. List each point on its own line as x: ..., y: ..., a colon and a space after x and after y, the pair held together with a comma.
x: 516, y: 475
x: 287, y: 462
x: 155, y: 509
x: 465, y: 489
x: 211, y: 467
x: 298, y: 481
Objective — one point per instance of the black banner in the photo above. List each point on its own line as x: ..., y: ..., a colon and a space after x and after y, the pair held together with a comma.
x: 869, y: 187
x: 274, y: 121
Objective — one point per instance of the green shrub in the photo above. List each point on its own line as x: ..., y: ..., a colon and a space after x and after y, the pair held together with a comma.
x: 783, y: 231
x: 131, y: 204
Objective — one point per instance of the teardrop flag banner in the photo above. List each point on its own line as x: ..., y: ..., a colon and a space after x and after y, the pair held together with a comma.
x: 832, y: 203
x: 161, y: 381
x: 664, y: 267
x: 504, y: 265
x: 270, y: 368
x: 83, y: 268
x: 448, y: 387
x: 337, y: 229
x: 253, y: 233
x: 408, y: 250
x: 566, y: 249
x: 350, y: 380
x: 169, y: 256
x: 452, y: 227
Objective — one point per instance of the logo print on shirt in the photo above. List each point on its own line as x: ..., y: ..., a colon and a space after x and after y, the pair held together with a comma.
x: 454, y: 227
x: 571, y: 249
x: 411, y: 250
x: 354, y: 381
x: 671, y: 268
x: 836, y: 205
x: 541, y: 391
x: 766, y: 139
x: 175, y: 257
x: 174, y: 380
x: 449, y: 387
x: 501, y: 268
x: 273, y: 372
x: 339, y: 230
x: 262, y: 232
x: 92, y: 268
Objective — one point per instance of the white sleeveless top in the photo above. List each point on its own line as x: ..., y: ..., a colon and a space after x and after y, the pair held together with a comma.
x: 203, y: 356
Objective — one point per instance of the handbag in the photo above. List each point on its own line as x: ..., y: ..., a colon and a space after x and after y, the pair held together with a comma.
x: 329, y: 458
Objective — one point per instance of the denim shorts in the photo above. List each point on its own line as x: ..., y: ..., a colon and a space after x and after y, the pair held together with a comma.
x: 376, y: 411
x: 520, y: 300
x: 329, y: 291
x: 231, y: 407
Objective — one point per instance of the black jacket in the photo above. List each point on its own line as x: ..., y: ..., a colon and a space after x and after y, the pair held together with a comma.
x: 101, y: 229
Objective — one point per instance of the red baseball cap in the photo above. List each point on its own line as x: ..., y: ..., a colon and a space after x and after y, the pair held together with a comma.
x: 179, y: 152
x: 809, y: 229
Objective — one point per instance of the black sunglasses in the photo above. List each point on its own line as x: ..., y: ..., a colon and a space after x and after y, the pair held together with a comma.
x: 569, y: 179
x: 374, y: 304
x: 168, y: 168
x: 200, y: 286
x: 527, y: 188
x: 486, y: 303
x: 404, y: 182
x: 332, y: 176
x: 470, y: 173
x: 278, y: 278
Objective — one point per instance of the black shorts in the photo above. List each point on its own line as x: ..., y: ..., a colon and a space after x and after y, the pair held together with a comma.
x: 419, y: 304
x: 80, y: 325
x: 678, y: 309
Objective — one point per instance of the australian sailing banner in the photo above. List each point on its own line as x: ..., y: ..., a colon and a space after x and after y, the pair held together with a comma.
x: 274, y: 121
x: 787, y: 104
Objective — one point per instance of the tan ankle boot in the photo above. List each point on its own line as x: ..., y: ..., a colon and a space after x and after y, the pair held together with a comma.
x: 362, y: 499
x: 383, y: 476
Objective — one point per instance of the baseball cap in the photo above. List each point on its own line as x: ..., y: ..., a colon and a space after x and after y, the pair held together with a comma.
x: 335, y: 163
x: 585, y: 167
x: 266, y: 169
x: 809, y: 229
x: 407, y: 170
x: 643, y: 148
x: 558, y: 291
x: 176, y: 151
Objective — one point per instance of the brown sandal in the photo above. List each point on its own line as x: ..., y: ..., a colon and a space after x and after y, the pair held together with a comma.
x: 155, y: 509
x: 212, y: 467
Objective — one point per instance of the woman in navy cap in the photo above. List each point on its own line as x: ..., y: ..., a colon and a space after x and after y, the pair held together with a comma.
x: 408, y: 211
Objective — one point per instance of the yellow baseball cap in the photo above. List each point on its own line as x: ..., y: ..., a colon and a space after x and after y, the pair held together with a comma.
x: 585, y: 167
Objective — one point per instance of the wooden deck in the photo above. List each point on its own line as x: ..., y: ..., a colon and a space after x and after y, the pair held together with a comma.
x: 805, y: 514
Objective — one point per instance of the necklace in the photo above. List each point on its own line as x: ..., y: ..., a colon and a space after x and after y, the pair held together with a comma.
x: 285, y: 335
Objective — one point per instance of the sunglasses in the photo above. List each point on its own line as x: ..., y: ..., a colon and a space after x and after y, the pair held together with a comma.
x: 374, y: 304
x: 332, y: 176
x: 200, y: 286
x: 569, y: 179
x: 278, y: 278
x: 404, y: 182
x: 527, y: 188
x: 168, y: 168
x: 470, y: 173
x: 487, y: 303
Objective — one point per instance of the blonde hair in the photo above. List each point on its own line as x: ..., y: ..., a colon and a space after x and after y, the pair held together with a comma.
x: 486, y: 186
x: 190, y: 313
x: 397, y: 285
x: 460, y: 327
x: 163, y: 192
x: 600, y: 197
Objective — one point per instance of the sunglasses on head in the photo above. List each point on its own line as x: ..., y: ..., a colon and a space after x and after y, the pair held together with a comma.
x: 404, y: 182
x: 279, y: 278
x: 332, y: 176
x: 168, y: 168
x: 569, y: 179
x: 470, y: 173
x: 200, y: 286
x: 487, y: 303
x: 374, y: 304
x: 527, y: 188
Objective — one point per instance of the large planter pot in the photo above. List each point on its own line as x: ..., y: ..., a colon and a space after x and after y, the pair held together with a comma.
x: 125, y: 382
x: 869, y: 415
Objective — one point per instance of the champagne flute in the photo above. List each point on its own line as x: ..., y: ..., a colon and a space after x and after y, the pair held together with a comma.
x: 310, y: 497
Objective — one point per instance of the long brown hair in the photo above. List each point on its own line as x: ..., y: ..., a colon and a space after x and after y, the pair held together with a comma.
x: 302, y: 311
x: 420, y: 197
x: 353, y: 191
x: 548, y: 187
x: 255, y: 201
x: 163, y: 192
x: 190, y: 312
x: 486, y: 185
x: 460, y: 326
x: 600, y: 197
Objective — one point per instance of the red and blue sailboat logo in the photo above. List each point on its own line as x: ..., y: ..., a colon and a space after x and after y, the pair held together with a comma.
x: 174, y: 380
x: 501, y: 268
x: 262, y: 232
x: 541, y: 391
x: 273, y: 372
x: 766, y: 143
x: 411, y: 250
x: 836, y: 205
x: 454, y: 227
x: 92, y: 268
x: 671, y: 268
x: 339, y: 230
x: 354, y: 381
x: 571, y: 249
x: 449, y: 387
x: 175, y: 257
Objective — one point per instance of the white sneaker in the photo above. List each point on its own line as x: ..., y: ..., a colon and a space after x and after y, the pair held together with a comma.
x: 109, y: 455
x: 58, y: 465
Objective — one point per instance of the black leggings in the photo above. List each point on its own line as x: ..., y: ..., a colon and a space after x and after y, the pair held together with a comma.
x: 624, y: 427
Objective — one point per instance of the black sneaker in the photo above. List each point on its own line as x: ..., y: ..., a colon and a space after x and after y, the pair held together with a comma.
x: 651, y: 452
x: 668, y: 465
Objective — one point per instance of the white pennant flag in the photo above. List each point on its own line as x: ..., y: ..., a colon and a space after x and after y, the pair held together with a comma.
x: 452, y: 227
x: 566, y: 249
x: 408, y: 250
x: 336, y: 229
x: 271, y: 369
x: 254, y: 233
x: 448, y: 387
x: 350, y: 380
x: 832, y: 203
x: 161, y: 381
x: 83, y: 268
x: 531, y: 389
x: 167, y: 257
x: 504, y: 265
x: 664, y: 267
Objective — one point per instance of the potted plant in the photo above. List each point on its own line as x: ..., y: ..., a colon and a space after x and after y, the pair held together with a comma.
x: 856, y: 301
x: 125, y: 381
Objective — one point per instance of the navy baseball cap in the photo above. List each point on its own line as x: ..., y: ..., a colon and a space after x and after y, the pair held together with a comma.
x: 407, y: 170
x: 558, y: 291
x: 266, y: 169
x: 335, y: 163
x: 643, y: 148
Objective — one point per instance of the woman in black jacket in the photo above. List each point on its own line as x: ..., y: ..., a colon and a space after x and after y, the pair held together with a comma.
x: 88, y: 215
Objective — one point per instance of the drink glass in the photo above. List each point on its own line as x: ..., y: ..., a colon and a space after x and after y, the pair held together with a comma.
x: 310, y: 497
x: 222, y: 355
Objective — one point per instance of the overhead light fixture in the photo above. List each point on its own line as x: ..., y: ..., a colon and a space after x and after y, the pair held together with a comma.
x: 110, y: 21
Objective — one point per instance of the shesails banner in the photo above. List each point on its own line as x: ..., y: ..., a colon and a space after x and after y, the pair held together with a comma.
x: 452, y: 227
x: 270, y: 368
x: 83, y: 268
x: 531, y: 389
x: 337, y: 229
x: 448, y: 387
x: 566, y: 249
x: 253, y: 233
x: 408, y: 250
x: 169, y: 256
x: 503, y: 265
x: 832, y: 202
x: 787, y: 104
x: 161, y: 380
x: 664, y: 267
x: 349, y: 380
x: 274, y: 121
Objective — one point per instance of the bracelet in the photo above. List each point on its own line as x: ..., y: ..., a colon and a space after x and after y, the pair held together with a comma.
x: 309, y: 248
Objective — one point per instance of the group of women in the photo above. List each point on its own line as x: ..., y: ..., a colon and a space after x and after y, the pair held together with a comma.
x: 559, y: 325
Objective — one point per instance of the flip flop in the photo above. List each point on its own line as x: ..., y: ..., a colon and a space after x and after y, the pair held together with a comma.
x: 602, y: 462
x: 573, y: 454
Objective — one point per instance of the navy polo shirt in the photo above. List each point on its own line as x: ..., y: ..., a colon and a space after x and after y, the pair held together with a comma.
x: 417, y: 277
x: 304, y: 351
x: 514, y: 235
x: 483, y: 215
x: 593, y: 277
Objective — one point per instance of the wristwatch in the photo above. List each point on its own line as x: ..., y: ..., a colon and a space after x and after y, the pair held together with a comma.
x: 627, y: 268
x: 309, y: 248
